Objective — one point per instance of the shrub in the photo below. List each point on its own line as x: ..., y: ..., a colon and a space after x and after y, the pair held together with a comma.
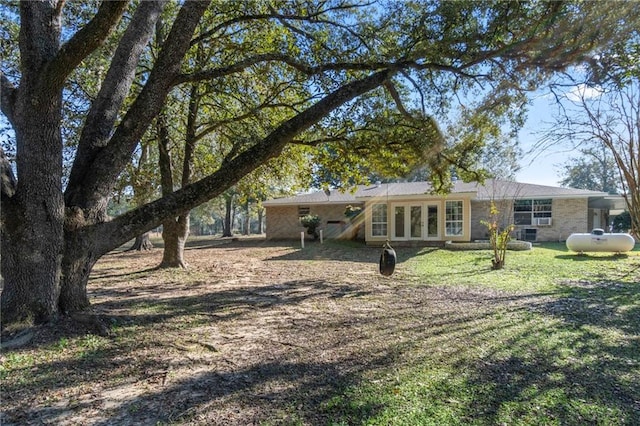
x: 311, y: 222
x: 622, y: 222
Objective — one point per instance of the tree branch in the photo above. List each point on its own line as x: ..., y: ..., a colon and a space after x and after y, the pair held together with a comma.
x: 85, y: 41
x: 7, y: 97
x: 316, y: 142
x: 418, y: 89
x: 396, y: 98
x: 101, y: 175
x: 151, y: 215
x: 312, y: 70
x: 238, y: 67
x: 104, y: 110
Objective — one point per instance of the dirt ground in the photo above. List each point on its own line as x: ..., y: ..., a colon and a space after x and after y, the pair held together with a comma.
x: 252, y: 333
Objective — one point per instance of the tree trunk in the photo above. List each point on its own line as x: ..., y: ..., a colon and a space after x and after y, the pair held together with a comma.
x: 142, y: 242
x: 31, y: 247
x: 228, y: 216
x: 32, y: 228
x: 260, y: 220
x: 78, y: 261
x: 247, y: 222
x: 175, y: 233
x: 497, y: 264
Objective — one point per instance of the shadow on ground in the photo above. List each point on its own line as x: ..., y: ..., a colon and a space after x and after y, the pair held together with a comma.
x: 245, y: 347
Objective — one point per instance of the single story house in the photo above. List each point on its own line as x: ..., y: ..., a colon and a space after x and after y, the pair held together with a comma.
x: 410, y: 212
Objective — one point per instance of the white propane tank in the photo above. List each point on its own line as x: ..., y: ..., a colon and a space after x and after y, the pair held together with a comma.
x: 598, y: 240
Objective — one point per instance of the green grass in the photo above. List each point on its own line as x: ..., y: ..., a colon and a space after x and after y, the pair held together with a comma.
x: 544, y: 268
x: 570, y: 355
x: 43, y: 369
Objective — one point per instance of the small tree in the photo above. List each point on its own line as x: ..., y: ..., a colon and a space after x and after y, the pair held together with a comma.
x: 498, y: 238
x: 311, y: 222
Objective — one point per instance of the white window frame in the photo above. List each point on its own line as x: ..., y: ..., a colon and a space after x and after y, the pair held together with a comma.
x: 379, y: 222
x: 450, y: 221
x: 536, y: 211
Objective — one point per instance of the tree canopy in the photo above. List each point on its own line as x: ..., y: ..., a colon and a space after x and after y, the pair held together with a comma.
x: 593, y: 170
x: 338, y: 80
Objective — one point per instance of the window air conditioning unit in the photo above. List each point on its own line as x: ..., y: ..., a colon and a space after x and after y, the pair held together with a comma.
x: 543, y: 221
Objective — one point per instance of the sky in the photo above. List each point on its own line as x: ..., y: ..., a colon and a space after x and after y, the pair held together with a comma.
x: 541, y: 167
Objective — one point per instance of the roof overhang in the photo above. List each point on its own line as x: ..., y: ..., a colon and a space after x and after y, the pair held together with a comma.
x: 607, y: 202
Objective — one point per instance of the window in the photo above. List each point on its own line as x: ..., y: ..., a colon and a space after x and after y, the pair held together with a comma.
x: 527, y: 212
x: 399, y: 219
x: 379, y: 220
x: 453, y: 222
x: 416, y: 222
x: 432, y: 221
x: 303, y: 211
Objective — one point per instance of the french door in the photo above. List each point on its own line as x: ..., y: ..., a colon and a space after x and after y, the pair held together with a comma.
x: 408, y: 222
x: 433, y: 227
x: 415, y: 221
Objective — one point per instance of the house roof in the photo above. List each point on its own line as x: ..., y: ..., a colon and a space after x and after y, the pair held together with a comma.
x: 492, y: 189
x: 319, y: 197
x: 410, y: 188
x: 496, y: 188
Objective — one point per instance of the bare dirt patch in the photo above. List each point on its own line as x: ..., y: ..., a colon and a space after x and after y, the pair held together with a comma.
x: 252, y: 333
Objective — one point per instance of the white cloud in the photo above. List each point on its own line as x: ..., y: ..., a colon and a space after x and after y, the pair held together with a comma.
x: 582, y: 91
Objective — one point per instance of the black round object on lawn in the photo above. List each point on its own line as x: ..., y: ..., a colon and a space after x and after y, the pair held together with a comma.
x: 387, y: 260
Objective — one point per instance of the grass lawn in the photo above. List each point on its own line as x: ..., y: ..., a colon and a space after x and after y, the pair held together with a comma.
x: 265, y: 333
x: 569, y: 355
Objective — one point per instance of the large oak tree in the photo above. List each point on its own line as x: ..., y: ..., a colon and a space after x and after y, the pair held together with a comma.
x: 354, y: 61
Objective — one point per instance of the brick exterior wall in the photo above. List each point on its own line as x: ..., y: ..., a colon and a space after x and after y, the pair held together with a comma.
x: 480, y: 210
x: 283, y: 223
x: 568, y: 216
